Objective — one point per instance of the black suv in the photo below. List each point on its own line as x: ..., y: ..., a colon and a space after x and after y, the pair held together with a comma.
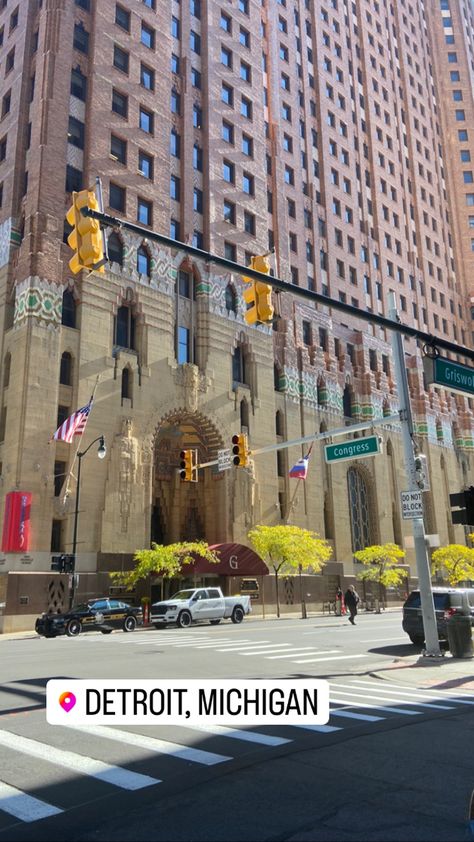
x: 103, y: 615
x: 447, y: 601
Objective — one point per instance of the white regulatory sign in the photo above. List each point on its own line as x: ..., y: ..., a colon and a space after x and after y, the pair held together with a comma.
x: 412, y: 504
x: 224, y: 461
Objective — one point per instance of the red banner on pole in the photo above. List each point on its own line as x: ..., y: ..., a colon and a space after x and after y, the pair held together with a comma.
x: 16, y: 522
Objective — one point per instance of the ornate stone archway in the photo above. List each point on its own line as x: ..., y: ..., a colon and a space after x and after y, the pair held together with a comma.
x: 187, y: 511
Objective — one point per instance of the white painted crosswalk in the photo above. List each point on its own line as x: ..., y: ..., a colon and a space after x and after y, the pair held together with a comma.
x: 103, y: 754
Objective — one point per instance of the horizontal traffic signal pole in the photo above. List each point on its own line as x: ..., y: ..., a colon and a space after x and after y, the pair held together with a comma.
x: 284, y: 286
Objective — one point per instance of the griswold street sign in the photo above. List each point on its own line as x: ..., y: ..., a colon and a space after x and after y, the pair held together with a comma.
x: 453, y: 376
x: 355, y: 449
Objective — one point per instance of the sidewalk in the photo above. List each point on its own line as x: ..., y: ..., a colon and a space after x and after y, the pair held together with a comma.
x: 446, y: 673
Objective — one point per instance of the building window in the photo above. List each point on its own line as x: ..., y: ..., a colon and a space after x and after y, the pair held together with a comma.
x: 126, y: 387
x: 238, y: 365
x: 227, y: 94
x: 248, y: 184
x: 197, y: 117
x: 124, y: 334
x: 249, y: 223
x: 65, y: 369
x: 76, y: 133
x: 228, y: 172
x: 230, y: 299
x: 121, y: 59
x: 148, y: 36
x: 119, y: 103
x: 246, y: 108
x: 145, y: 164
x: 73, y: 179
x: 117, y: 197
x: 197, y: 200
x: 68, y: 311
x: 175, y: 144
x: 81, y: 38
x: 144, y: 211
x: 175, y: 102
x: 118, y: 149
x: 59, y: 476
x: 359, y: 509
x: 122, y: 18
x: 183, y: 344
x: 115, y: 249
x: 230, y: 251
x: 175, y: 28
x: 227, y: 132
x: 195, y: 42
x: 78, y: 84
x: 143, y: 261
x: 175, y: 188
x: 146, y: 120
x: 460, y: 114
x: 147, y: 77
x: 197, y: 157
x: 56, y: 536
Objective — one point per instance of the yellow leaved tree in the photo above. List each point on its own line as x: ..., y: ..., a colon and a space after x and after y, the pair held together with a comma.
x: 289, y: 549
x: 454, y: 562
x: 165, y: 560
x: 381, y: 562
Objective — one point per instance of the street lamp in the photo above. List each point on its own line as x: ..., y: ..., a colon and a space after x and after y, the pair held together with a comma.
x: 101, y: 453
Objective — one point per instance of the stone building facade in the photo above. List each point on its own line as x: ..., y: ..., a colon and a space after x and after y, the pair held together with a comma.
x: 320, y: 129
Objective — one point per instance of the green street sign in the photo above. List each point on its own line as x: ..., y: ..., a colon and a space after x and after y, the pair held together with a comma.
x: 355, y: 449
x: 453, y: 376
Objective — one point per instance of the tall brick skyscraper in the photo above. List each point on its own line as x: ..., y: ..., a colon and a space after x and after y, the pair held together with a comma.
x: 340, y: 133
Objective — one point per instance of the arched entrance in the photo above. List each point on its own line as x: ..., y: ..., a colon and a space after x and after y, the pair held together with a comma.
x: 188, y: 511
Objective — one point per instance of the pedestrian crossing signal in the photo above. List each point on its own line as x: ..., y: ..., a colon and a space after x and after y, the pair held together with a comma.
x: 240, y: 450
x: 188, y: 466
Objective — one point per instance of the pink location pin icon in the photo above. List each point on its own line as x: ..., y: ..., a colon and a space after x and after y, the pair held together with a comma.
x: 67, y: 701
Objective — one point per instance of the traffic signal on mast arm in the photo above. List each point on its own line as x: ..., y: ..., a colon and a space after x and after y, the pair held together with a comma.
x: 465, y: 499
x: 240, y: 450
x: 188, y: 466
x: 85, y: 238
x: 258, y: 296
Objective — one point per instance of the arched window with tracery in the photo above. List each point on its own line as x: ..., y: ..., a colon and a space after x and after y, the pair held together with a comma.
x: 239, y: 365
x: 124, y: 332
x: 359, y: 510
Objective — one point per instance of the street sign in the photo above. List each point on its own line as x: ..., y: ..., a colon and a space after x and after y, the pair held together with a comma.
x: 355, y: 449
x: 224, y: 460
x: 453, y: 376
x: 412, y: 504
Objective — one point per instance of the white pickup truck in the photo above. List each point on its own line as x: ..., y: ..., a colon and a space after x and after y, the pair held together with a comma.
x: 195, y: 604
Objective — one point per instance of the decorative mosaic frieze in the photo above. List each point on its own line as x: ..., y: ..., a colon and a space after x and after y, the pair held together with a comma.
x: 36, y: 297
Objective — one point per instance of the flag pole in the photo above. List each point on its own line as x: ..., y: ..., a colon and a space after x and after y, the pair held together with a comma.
x: 292, y: 501
x: 66, y: 491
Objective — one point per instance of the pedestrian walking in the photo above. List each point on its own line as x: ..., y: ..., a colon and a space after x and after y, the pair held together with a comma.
x: 351, y: 598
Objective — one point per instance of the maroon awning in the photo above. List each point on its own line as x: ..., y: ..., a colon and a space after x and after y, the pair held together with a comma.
x: 235, y: 560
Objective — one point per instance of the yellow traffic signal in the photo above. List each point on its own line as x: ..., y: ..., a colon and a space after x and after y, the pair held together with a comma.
x: 240, y: 450
x: 86, y: 237
x: 259, y: 294
x: 188, y: 466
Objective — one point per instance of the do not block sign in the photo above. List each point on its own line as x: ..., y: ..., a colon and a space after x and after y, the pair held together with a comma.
x: 412, y: 504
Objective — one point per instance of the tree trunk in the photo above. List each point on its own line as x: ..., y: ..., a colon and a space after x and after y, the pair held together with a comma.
x: 276, y: 592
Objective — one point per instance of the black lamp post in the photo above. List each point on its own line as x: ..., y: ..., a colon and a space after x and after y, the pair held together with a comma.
x: 101, y: 452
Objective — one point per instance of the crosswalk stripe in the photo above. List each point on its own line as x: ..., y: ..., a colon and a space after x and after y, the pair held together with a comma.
x: 350, y: 715
x: 24, y: 807
x: 337, y: 658
x: 115, y: 775
x: 193, y: 755
x: 405, y: 694
x: 246, y: 736
x: 302, y: 651
x: 192, y: 641
x: 221, y: 642
x: 382, y: 694
x: 370, y: 706
x: 263, y: 652
x: 323, y: 729
x: 246, y: 646
x: 442, y: 694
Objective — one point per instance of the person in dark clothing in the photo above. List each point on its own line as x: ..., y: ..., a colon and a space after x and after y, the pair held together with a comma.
x: 351, y: 598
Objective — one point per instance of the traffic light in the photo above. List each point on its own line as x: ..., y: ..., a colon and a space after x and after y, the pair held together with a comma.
x: 57, y: 563
x: 240, y: 450
x: 188, y: 465
x: 463, y: 506
x: 422, y: 477
x: 259, y: 294
x: 86, y: 237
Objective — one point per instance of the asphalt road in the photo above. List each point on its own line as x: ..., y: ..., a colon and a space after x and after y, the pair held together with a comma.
x: 61, y: 783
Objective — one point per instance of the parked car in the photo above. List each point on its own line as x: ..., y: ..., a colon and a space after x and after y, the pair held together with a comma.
x: 195, y: 604
x: 447, y: 601
x: 104, y: 615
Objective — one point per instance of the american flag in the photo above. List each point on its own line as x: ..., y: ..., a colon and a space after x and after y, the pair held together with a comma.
x: 300, y: 470
x: 74, y: 425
